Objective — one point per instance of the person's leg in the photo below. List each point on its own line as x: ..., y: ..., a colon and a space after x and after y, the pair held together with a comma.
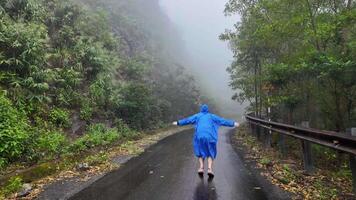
x: 201, y: 162
x: 210, y: 164
x: 201, y: 167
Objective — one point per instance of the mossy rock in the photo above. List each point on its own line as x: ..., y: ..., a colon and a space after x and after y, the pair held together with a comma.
x: 35, y: 173
x: 40, y: 171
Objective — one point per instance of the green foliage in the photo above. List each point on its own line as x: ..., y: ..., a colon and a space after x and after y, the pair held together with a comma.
x: 343, y: 173
x: 90, y: 57
x: 101, y: 90
x: 265, y: 161
x: 13, y: 185
x: 14, y: 131
x: 125, y: 131
x: 97, y: 135
x: 135, y: 106
x: 96, y: 159
x: 21, y: 60
x: 52, y: 144
x: 86, y: 111
x: 288, y: 173
x: 26, y: 9
x: 59, y: 117
x: 3, y: 163
x: 297, y: 57
x: 325, y: 191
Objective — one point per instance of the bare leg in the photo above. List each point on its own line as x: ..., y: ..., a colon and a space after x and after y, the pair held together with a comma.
x: 210, y: 164
x: 201, y: 162
x: 201, y: 168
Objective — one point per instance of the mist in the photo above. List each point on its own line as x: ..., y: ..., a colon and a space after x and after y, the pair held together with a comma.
x: 199, y: 24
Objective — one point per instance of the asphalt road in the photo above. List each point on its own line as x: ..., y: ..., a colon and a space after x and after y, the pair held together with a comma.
x: 167, y: 171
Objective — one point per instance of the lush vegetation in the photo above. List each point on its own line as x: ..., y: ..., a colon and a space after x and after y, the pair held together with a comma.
x: 77, y: 75
x: 297, y: 57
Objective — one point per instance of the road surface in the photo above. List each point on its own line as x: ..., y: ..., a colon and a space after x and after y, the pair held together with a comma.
x: 167, y: 171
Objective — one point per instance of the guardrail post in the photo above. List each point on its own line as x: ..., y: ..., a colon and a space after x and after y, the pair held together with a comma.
x: 268, y: 134
x: 258, y: 132
x: 353, y: 164
x: 307, y: 152
x: 281, y: 142
x: 253, y: 128
x: 282, y: 145
x: 262, y: 134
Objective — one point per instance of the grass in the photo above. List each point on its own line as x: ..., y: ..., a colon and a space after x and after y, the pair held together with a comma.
x: 13, y: 185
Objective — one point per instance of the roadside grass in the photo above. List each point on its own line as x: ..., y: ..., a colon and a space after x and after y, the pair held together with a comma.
x: 13, y: 185
x: 330, y: 180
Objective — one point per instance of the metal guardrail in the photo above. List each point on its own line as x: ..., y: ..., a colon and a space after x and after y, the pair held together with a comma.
x: 334, y: 140
x: 338, y: 141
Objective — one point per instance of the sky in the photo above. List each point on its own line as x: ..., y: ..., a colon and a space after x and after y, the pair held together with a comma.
x: 200, y: 22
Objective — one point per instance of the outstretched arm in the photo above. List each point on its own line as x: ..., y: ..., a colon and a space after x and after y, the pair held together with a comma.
x: 186, y: 121
x: 225, y: 122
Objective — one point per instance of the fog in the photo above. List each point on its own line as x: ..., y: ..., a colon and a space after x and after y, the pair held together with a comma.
x: 200, y: 23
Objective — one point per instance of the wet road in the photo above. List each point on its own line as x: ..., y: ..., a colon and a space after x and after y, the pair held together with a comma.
x: 167, y: 171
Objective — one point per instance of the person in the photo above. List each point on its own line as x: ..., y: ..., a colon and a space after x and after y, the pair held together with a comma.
x: 206, y: 135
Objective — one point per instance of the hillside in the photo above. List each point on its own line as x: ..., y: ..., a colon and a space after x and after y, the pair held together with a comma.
x: 76, y: 75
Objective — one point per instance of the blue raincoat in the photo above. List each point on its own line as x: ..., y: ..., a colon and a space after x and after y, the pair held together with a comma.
x: 206, y: 131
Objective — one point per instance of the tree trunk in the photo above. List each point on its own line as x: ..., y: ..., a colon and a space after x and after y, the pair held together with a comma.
x: 256, y: 92
x: 260, y: 88
x: 339, y: 124
x: 313, y: 23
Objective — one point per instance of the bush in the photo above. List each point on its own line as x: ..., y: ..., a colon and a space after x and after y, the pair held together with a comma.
x: 52, y: 144
x: 136, y: 106
x: 98, y: 135
x: 13, y: 131
x: 59, y: 117
x: 125, y: 131
x: 13, y: 185
x: 86, y: 111
x: 2, y: 163
x: 96, y: 159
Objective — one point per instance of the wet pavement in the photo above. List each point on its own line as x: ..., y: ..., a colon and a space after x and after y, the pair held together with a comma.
x: 167, y: 171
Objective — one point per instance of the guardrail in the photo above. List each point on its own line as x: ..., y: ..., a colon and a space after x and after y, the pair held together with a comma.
x: 338, y: 141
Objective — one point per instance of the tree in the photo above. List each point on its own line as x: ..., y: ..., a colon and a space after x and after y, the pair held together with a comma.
x: 304, y: 50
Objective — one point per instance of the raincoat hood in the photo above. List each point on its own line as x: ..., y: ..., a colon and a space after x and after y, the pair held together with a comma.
x: 204, y: 108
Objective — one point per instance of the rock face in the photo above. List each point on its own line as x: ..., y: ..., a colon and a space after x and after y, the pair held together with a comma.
x: 78, y: 125
x: 26, y: 189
